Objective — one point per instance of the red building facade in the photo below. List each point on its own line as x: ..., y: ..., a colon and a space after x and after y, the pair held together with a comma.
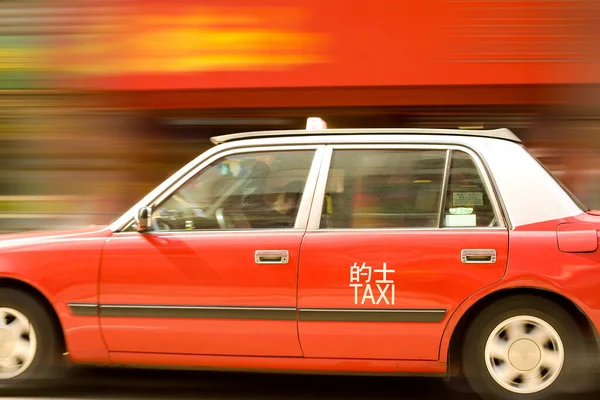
x: 162, y: 76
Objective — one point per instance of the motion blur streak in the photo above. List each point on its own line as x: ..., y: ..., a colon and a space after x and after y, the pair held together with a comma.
x: 101, y: 101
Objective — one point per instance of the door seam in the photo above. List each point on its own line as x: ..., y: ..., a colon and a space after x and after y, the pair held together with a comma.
x: 312, y: 202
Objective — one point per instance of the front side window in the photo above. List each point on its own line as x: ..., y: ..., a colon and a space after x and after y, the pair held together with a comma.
x: 403, y: 189
x: 259, y: 190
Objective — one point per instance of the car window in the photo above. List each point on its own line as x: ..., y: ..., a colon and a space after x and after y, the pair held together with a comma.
x: 384, y: 189
x: 259, y: 190
x: 403, y: 189
x: 467, y: 202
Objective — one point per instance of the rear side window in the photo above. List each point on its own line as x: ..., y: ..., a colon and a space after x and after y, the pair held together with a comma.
x: 467, y: 202
x: 384, y: 189
x: 404, y: 188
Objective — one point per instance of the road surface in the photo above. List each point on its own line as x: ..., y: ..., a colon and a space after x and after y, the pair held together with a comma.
x: 92, y: 383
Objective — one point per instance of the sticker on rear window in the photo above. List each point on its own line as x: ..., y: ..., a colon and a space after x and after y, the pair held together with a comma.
x: 467, y: 199
x: 457, y: 221
x: 461, y: 210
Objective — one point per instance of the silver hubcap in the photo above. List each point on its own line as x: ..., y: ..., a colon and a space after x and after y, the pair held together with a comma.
x: 524, y: 354
x: 18, y: 343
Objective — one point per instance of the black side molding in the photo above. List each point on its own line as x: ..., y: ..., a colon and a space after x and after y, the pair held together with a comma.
x: 259, y: 313
x: 372, y: 315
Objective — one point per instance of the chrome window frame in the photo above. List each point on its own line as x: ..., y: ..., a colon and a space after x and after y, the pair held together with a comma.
x: 201, y: 163
x: 314, y: 220
x: 519, y: 183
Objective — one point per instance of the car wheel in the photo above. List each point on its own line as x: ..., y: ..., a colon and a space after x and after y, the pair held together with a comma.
x: 29, y: 346
x: 523, y: 347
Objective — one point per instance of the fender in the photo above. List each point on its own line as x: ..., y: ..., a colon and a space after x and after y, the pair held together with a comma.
x: 62, y: 267
x: 532, y: 282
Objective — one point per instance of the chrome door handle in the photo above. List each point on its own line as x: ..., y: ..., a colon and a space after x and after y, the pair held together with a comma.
x: 478, y: 256
x: 271, y: 256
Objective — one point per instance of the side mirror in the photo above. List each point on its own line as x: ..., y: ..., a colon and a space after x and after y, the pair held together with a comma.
x: 143, y: 219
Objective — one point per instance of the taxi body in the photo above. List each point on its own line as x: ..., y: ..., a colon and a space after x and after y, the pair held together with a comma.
x: 379, y: 251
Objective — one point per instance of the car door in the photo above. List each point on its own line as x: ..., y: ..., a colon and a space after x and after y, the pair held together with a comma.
x: 399, y: 236
x: 217, y: 274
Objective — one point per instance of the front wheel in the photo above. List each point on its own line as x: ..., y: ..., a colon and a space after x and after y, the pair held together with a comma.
x: 523, y: 347
x: 29, y: 346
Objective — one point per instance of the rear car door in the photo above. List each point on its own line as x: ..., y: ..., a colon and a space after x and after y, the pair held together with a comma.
x: 398, y: 237
x: 217, y: 275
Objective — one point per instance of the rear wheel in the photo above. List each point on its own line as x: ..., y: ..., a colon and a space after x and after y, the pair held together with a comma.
x: 29, y: 346
x: 523, y: 347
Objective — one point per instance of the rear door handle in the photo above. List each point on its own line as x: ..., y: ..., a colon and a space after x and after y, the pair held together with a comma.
x: 478, y: 256
x: 271, y: 257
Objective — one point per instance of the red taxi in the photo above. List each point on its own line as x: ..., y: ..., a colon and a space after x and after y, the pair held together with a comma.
x: 379, y: 251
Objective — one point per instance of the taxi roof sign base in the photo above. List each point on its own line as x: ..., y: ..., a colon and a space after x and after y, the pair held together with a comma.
x: 315, y: 124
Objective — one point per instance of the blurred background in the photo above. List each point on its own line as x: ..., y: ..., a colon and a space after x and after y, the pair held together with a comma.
x: 102, y: 100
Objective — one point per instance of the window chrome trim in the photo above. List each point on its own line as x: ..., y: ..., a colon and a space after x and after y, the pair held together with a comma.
x: 468, y: 229
x: 519, y: 194
x: 294, y: 231
x: 212, y: 232
x: 314, y: 220
x: 189, y: 171
x: 445, y: 181
x: 316, y: 212
x: 482, y: 164
x: 309, y: 189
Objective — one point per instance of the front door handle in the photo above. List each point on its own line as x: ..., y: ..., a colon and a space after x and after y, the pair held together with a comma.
x: 271, y: 257
x: 478, y: 256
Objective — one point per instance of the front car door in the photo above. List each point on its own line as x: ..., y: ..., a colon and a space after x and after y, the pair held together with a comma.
x: 217, y: 275
x: 398, y: 237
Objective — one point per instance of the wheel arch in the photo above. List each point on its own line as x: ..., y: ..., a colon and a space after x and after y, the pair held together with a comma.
x: 13, y: 283
x: 453, y: 359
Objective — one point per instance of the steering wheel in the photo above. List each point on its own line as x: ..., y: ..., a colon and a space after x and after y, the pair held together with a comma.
x: 160, y: 226
x: 492, y: 222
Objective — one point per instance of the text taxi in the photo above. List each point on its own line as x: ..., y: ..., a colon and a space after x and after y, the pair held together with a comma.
x: 433, y: 252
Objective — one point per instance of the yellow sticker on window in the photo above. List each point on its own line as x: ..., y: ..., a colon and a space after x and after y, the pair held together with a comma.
x: 328, y: 204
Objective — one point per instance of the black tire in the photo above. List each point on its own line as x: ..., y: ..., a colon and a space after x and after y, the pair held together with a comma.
x: 473, y: 348
x: 47, y: 363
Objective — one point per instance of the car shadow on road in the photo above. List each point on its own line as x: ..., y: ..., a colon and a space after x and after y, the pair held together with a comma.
x: 104, y: 383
